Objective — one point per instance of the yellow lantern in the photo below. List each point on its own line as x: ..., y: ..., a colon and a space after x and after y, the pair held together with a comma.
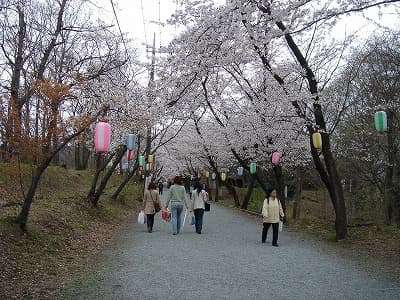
x: 207, y: 174
x: 150, y: 159
x: 223, y: 176
x: 317, y: 140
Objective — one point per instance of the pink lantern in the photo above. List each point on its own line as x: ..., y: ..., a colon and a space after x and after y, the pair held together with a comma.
x: 102, y: 136
x: 276, y: 158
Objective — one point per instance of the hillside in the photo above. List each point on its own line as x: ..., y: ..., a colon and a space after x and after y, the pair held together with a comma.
x: 64, y: 232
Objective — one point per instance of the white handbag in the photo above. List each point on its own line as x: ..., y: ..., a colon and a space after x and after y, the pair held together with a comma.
x: 142, y: 218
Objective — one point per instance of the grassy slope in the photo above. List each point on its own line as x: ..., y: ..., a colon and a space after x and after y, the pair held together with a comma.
x: 65, y: 233
x: 378, y: 243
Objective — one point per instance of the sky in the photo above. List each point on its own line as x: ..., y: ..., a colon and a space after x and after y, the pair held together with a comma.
x: 139, y: 19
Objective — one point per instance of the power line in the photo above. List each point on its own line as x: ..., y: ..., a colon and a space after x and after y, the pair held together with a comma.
x: 159, y: 19
x: 120, y: 31
x: 144, y: 25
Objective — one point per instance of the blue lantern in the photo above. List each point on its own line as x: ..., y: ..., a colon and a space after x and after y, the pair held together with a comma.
x: 131, y: 141
x: 213, y: 176
x: 240, y: 171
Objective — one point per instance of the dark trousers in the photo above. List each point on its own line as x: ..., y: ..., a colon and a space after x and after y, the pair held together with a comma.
x: 198, y: 217
x: 150, y: 221
x: 275, y: 229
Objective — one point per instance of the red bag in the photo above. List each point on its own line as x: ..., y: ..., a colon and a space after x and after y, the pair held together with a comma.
x: 165, y: 214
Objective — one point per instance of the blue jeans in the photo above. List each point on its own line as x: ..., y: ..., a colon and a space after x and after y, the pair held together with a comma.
x: 176, y: 212
x: 198, y: 216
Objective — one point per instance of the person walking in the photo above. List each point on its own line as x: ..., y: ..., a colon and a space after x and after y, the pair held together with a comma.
x: 272, y: 212
x: 160, y: 187
x: 178, y: 198
x: 199, y: 198
x: 151, y: 200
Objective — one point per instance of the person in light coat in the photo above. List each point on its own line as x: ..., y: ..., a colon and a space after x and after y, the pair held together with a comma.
x: 178, y: 198
x: 272, y: 212
x: 151, y: 196
x: 199, y: 198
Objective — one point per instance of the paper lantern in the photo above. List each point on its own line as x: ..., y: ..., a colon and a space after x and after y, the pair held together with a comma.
x: 240, y: 171
x: 253, y: 168
x: 276, y: 158
x: 213, y: 176
x: 147, y: 167
x: 141, y: 161
x: 102, y: 136
x: 129, y: 155
x: 207, y: 174
x: 317, y: 140
x: 223, y: 176
x: 380, y: 121
x: 131, y: 141
x: 150, y: 159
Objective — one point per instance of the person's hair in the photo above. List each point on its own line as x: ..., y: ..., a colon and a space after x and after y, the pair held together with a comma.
x: 178, y: 180
x: 198, y: 187
x: 269, y: 191
x: 152, y: 186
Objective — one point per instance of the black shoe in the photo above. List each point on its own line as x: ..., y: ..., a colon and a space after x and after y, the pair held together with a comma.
x: 275, y: 245
x: 199, y: 232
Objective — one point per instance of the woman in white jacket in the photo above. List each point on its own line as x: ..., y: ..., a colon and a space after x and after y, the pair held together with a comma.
x: 199, y: 197
x: 272, y: 212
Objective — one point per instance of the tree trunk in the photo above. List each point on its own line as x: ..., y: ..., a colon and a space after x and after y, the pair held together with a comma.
x: 81, y: 154
x: 297, y: 197
x: 246, y: 199
x: 388, y: 182
x: 94, y: 199
x: 216, y: 190
x: 126, y: 180
x: 99, y: 168
x: 232, y: 191
x: 23, y: 216
x: 330, y: 175
x: 14, y: 118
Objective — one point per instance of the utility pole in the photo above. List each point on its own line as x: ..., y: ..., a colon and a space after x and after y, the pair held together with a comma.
x: 149, y: 95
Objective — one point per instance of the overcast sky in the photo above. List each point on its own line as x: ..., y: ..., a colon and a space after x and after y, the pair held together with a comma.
x: 138, y: 18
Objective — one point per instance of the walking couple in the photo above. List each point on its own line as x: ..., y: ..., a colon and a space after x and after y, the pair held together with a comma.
x: 178, y: 199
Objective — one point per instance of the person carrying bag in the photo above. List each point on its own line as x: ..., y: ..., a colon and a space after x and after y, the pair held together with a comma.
x: 151, y: 205
x: 272, y: 213
x: 199, y: 198
x: 178, y: 199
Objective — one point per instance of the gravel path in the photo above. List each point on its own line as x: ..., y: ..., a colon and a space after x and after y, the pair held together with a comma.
x: 227, y: 261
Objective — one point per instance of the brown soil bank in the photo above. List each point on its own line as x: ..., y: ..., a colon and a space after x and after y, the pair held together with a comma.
x: 64, y: 232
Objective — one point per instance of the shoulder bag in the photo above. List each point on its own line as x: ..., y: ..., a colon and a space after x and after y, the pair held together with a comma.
x: 157, y: 206
x: 206, y: 204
